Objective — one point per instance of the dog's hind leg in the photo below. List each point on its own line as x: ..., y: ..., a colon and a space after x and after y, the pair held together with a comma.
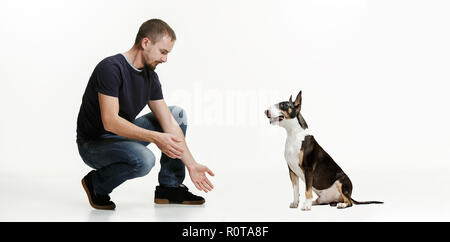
x: 295, y: 187
x: 345, y: 189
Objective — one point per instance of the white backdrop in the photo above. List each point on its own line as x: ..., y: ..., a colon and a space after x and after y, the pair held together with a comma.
x: 374, y: 76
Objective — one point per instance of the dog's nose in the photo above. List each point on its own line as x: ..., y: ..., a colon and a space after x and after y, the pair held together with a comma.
x: 267, y: 113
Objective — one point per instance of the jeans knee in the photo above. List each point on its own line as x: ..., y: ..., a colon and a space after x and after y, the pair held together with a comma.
x: 179, y: 114
x: 144, y: 163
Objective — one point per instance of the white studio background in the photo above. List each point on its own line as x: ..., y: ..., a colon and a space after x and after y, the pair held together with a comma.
x: 374, y: 76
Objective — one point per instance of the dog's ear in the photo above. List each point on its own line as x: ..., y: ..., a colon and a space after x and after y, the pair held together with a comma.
x: 298, y: 100
x: 290, y: 99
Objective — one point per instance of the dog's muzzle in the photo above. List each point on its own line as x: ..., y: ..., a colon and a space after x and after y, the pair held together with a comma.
x: 273, y: 119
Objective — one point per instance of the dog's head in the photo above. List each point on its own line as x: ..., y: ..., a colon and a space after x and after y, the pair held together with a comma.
x: 286, y: 110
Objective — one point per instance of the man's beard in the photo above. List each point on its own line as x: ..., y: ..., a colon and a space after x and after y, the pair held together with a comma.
x: 151, y: 67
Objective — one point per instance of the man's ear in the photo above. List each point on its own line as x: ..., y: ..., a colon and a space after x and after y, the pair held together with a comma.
x: 298, y: 99
x: 145, y: 42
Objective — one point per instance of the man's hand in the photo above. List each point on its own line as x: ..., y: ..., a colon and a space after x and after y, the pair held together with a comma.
x: 198, y: 177
x: 170, y: 145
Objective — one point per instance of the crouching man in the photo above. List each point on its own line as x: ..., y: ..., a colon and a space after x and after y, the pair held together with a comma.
x: 114, y: 143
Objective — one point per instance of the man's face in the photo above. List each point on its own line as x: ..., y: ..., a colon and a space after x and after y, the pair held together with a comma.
x: 156, y: 53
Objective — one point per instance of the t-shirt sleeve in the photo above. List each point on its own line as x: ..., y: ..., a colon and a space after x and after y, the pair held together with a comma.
x: 108, y: 79
x: 156, y: 90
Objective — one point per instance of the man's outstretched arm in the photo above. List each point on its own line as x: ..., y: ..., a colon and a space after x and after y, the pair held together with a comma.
x: 170, y: 126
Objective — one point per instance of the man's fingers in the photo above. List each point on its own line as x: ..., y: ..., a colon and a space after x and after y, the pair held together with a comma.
x: 171, y: 154
x: 175, y: 152
x: 177, y: 148
x: 209, y: 183
x: 174, y: 156
x: 203, y: 187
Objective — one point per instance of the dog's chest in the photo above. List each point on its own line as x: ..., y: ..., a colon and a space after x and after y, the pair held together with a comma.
x: 292, y: 153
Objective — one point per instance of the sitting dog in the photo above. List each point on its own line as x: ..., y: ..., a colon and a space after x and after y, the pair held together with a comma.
x: 306, y: 159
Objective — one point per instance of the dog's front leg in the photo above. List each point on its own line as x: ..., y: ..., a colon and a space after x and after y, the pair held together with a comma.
x: 308, y: 194
x: 295, y: 186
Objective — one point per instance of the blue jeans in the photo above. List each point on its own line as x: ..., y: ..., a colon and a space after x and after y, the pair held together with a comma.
x: 117, y: 159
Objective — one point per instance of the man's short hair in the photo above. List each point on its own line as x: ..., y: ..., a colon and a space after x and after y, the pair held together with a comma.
x: 154, y: 29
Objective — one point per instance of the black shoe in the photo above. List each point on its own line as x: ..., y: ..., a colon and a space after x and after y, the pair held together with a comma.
x: 96, y: 201
x: 180, y: 195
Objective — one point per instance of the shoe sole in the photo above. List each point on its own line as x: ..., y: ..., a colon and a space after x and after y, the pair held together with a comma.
x: 104, y: 207
x: 166, y: 201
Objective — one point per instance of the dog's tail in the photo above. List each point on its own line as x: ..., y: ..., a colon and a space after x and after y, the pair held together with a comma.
x: 366, y: 202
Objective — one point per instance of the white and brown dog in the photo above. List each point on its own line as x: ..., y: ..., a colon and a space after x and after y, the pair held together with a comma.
x: 306, y: 159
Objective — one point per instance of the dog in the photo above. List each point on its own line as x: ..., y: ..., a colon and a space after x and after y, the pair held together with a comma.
x: 307, y: 160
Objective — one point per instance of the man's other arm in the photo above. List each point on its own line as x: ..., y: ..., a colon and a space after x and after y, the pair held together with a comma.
x: 112, y: 122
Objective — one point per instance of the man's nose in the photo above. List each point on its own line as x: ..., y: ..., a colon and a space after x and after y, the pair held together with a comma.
x: 164, y: 59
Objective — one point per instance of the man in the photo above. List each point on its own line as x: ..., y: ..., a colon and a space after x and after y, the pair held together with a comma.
x: 113, y: 142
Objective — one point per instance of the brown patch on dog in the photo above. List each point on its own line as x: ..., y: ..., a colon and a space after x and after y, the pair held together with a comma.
x: 339, y: 187
x: 286, y: 114
x: 300, y: 158
x: 293, y: 177
x: 343, y: 198
x: 309, y: 193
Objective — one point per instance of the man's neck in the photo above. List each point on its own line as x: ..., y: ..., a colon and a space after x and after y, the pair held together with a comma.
x: 135, y: 57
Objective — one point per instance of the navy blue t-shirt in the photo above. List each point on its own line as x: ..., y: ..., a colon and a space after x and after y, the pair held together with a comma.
x: 114, y: 76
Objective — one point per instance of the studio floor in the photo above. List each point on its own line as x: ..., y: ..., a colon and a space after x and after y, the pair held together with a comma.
x: 47, y: 196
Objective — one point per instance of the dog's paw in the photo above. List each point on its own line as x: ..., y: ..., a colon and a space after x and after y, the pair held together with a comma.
x: 293, y: 205
x: 307, y: 205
